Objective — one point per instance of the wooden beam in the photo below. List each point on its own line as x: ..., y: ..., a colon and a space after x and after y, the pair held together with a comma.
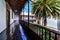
x: 8, y: 22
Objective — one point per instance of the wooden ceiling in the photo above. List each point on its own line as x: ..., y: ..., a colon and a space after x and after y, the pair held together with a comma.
x: 17, y: 4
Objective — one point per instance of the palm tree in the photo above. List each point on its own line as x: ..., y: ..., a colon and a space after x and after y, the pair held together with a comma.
x: 46, y: 8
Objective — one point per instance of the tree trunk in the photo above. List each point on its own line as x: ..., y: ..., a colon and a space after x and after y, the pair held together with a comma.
x: 45, y: 21
x: 44, y: 16
x: 38, y: 21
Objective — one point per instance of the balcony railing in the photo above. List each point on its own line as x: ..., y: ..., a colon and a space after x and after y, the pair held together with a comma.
x: 44, y: 32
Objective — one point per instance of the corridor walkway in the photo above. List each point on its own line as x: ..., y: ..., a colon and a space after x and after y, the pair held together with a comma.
x: 20, y: 35
x: 21, y: 32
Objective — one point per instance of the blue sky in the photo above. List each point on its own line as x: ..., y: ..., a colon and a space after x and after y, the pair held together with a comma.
x: 26, y: 7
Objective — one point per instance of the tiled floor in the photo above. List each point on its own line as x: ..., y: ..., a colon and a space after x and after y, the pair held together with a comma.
x: 3, y: 35
x: 21, y: 35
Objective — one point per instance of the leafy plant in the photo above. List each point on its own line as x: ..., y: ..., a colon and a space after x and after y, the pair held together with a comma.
x: 46, y: 8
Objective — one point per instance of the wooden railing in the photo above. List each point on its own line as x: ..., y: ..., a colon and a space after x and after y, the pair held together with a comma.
x: 44, y: 32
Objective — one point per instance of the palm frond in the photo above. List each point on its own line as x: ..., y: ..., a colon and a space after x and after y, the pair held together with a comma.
x: 52, y: 8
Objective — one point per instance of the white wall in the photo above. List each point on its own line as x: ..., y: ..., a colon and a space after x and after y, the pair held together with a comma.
x: 58, y: 24
x: 51, y: 22
x: 2, y: 15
